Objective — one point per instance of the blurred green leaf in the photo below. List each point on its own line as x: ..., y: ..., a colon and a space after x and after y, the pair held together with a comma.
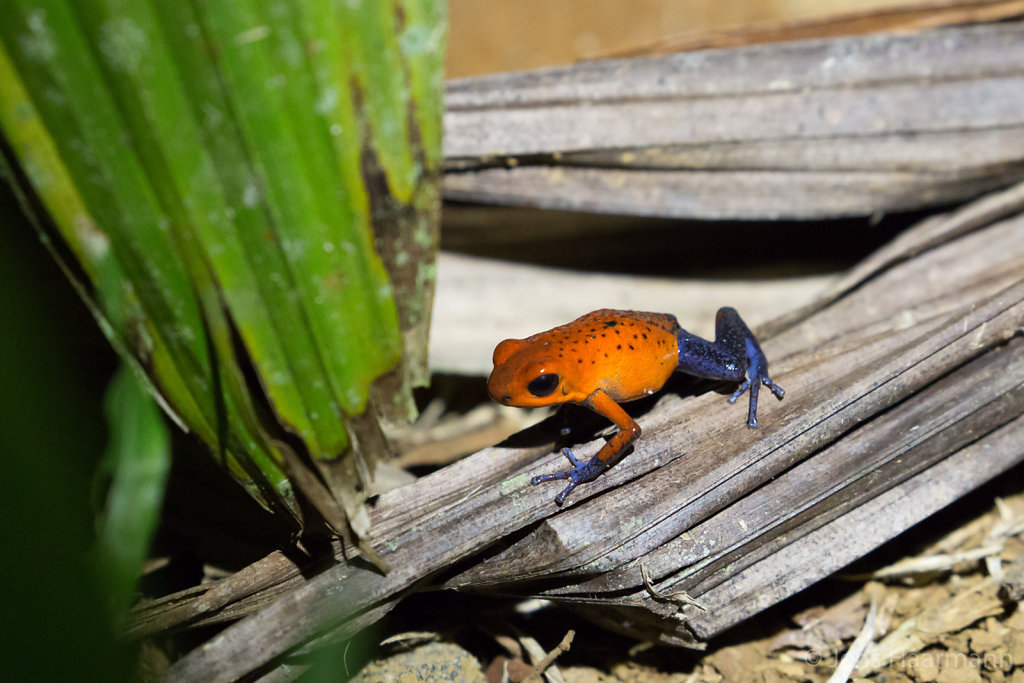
x: 51, y: 439
x: 233, y: 181
x: 136, y: 462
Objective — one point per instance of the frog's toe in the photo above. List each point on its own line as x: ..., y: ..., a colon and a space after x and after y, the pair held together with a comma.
x: 579, y: 473
x: 775, y: 388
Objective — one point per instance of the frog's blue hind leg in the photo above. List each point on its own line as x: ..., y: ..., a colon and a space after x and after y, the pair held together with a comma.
x: 734, y: 356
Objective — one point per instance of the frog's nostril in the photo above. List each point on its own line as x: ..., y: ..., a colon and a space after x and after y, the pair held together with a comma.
x: 506, y: 399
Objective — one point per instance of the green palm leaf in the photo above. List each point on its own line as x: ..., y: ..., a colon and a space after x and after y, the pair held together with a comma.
x: 233, y: 182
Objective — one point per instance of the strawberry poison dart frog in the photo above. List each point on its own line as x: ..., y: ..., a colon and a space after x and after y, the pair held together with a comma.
x: 608, y: 357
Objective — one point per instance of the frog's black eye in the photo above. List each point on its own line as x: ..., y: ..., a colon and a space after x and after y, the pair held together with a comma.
x: 544, y: 385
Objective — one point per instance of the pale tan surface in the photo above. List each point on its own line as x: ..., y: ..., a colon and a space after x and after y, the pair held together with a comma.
x: 479, y: 302
x: 488, y: 36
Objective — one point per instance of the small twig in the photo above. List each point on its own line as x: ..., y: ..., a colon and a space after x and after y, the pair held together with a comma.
x: 852, y: 657
x: 927, y: 564
x: 1009, y: 524
x: 410, y: 638
x: 548, y: 659
x: 679, y: 597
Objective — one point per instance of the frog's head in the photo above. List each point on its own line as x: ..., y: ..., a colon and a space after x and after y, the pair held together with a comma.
x: 526, y: 375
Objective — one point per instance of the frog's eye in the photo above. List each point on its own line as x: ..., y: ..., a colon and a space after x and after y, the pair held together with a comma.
x: 544, y: 385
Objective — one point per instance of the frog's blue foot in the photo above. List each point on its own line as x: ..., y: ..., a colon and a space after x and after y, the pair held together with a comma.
x: 734, y: 356
x: 580, y: 473
x: 756, y: 377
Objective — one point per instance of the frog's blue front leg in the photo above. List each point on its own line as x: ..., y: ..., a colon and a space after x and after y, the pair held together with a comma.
x: 609, y: 454
x: 581, y: 473
x: 734, y: 356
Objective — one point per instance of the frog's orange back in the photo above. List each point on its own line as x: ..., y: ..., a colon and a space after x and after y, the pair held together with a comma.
x: 626, y: 354
x: 632, y: 353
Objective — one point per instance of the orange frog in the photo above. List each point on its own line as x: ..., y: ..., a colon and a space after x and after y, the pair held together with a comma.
x: 608, y: 357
